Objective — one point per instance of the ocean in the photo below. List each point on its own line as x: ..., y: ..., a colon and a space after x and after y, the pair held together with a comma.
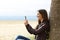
x: 17, y: 17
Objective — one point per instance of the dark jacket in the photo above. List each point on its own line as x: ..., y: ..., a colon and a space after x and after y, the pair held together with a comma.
x: 40, y: 31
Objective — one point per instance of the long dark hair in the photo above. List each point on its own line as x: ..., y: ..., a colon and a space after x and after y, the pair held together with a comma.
x: 43, y: 12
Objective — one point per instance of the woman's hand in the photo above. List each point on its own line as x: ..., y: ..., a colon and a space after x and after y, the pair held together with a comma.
x: 25, y: 22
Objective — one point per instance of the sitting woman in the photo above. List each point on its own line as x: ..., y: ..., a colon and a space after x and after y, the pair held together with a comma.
x: 42, y: 28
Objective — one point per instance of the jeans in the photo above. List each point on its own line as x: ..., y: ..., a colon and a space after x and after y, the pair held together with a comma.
x: 22, y: 38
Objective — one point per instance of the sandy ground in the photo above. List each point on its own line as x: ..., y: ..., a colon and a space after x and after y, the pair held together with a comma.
x: 9, y: 30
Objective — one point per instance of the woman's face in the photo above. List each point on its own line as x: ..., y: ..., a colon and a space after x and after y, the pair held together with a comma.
x: 39, y: 16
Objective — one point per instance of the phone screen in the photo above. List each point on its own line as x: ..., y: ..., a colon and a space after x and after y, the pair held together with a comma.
x: 25, y: 18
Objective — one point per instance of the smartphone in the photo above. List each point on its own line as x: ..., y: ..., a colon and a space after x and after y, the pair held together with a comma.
x: 25, y: 18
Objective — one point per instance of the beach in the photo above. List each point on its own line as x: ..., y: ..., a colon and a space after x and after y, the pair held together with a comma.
x: 10, y: 29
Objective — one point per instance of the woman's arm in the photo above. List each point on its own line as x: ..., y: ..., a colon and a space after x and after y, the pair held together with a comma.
x: 36, y: 31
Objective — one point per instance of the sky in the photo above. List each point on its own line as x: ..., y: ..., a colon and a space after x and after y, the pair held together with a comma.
x: 23, y: 7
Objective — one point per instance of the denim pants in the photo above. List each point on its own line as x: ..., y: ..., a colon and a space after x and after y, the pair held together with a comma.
x: 22, y: 38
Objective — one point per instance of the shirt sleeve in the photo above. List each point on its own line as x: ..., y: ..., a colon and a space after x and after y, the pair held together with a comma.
x: 36, y: 31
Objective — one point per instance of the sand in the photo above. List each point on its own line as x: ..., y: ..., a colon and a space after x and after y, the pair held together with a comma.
x: 9, y: 30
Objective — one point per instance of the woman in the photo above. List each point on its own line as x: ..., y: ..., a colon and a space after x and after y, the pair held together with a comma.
x: 42, y: 28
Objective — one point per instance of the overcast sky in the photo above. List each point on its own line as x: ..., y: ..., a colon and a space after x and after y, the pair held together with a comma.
x: 23, y: 7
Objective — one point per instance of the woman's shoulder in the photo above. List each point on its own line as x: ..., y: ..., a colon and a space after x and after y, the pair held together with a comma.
x: 46, y: 23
